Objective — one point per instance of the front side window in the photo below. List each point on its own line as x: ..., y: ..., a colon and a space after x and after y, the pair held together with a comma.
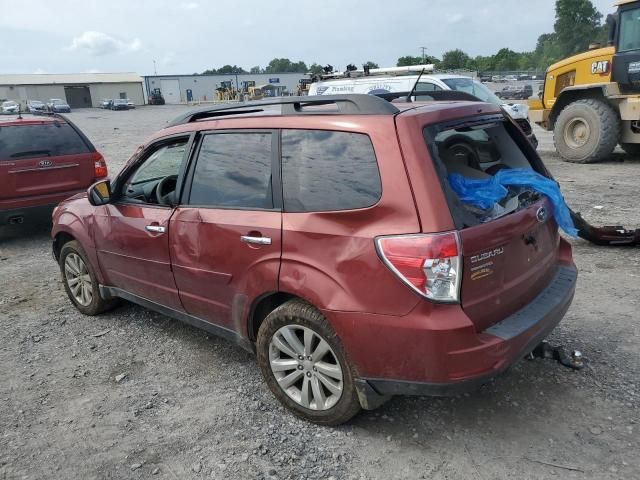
x: 163, y: 162
x: 233, y: 170
x: 155, y: 180
x: 326, y: 170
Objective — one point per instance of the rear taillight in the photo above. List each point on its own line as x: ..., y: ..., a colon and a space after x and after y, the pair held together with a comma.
x: 100, y: 166
x: 430, y: 264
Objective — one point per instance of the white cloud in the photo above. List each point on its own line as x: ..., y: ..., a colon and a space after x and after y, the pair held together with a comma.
x: 456, y: 18
x: 190, y: 5
x: 99, y: 43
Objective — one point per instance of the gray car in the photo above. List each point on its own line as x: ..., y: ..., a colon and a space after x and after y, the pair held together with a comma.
x: 58, y: 105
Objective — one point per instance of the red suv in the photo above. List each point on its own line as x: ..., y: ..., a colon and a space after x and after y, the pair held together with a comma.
x: 43, y: 160
x: 322, y: 234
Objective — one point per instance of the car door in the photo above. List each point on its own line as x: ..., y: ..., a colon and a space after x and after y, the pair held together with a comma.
x: 225, y: 237
x: 132, y: 233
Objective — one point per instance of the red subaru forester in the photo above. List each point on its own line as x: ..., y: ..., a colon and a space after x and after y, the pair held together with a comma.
x: 322, y: 234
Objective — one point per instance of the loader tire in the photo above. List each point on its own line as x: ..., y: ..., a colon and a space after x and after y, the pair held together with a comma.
x: 586, y: 131
x: 631, y: 149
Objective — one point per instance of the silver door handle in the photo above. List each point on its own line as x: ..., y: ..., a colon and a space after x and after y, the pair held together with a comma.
x: 155, y: 229
x: 255, y: 240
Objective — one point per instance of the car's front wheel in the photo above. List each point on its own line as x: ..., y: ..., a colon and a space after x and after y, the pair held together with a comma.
x: 305, y: 366
x: 80, y: 281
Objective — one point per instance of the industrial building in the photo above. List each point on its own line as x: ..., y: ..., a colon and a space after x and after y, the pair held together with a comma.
x: 78, y: 89
x: 198, y: 88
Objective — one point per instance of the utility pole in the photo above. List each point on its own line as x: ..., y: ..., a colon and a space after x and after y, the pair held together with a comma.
x: 155, y: 71
x: 424, y: 49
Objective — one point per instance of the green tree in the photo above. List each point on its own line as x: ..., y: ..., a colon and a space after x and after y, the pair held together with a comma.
x: 315, y: 69
x: 408, y: 60
x: 506, y: 59
x: 284, y: 65
x: 371, y: 64
x: 577, y: 25
x: 255, y: 69
x: 454, y: 59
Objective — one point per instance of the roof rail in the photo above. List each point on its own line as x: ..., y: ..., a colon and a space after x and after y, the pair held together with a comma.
x: 358, y: 104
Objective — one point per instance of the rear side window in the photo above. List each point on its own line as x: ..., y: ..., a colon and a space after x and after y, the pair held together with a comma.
x: 325, y: 170
x: 233, y: 170
x: 30, y: 141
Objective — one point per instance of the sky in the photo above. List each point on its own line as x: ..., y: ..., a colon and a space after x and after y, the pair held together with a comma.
x: 188, y: 36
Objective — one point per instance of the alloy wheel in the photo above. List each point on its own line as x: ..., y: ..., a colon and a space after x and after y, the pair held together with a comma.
x: 78, y: 279
x: 305, y: 367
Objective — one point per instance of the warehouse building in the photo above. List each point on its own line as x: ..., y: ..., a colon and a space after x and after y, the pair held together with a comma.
x: 78, y: 89
x: 199, y: 88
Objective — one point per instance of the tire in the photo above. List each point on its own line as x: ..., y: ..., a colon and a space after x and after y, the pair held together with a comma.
x: 73, y: 257
x: 325, y: 408
x: 586, y: 131
x: 631, y: 149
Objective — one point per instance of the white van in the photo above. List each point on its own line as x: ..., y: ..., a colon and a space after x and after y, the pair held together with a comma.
x: 377, y: 85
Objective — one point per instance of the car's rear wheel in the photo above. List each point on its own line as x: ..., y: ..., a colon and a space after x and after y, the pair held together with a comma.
x: 80, y: 281
x: 304, y: 364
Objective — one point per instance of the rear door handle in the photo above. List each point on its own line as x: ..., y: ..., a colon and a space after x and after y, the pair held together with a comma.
x: 255, y: 240
x: 155, y: 229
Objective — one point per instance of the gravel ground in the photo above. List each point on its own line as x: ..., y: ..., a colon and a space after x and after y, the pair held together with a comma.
x: 133, y: 394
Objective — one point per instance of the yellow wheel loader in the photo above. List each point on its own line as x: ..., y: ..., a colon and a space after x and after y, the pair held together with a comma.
x: 591, y: 101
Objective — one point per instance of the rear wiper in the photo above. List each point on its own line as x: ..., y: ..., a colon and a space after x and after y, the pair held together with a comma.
x: 30, y: 153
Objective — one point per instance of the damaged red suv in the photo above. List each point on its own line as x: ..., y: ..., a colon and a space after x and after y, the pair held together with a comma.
x: 43, y: 160
x: 322, y: 234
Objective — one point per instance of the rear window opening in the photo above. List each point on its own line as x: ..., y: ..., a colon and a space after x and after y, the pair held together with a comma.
x: 477, y: 149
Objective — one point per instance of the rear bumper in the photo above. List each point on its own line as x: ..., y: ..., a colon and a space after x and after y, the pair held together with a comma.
x: 412, y: 356
x: 25, y: 207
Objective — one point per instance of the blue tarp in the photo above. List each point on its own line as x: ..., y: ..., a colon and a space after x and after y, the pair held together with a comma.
x: 484, y: 193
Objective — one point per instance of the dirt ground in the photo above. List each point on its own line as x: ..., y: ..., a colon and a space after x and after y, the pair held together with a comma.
x: 194, y: 406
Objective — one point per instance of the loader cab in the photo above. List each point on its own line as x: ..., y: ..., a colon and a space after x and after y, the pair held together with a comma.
x: 624, y: 34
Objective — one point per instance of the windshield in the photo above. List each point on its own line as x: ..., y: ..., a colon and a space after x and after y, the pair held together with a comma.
x: 36, y: 102
x: 56, y: 101
x: 476, y: 89
x: 10, y: 103
x: 119, y: 101
x: 629, y: 37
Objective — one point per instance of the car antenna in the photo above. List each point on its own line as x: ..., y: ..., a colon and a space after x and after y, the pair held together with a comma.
x: 415, y: 86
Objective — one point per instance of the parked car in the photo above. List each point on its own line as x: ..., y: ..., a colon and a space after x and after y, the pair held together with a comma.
x: 119, y: 104
x: 43, y: 160
x: 106, y: 103
x: 10, y: 107
x: 36, y: 106
x: 57, y: 105
x: 515, y: 92
x: 321, y: 235
x: 130, y: 104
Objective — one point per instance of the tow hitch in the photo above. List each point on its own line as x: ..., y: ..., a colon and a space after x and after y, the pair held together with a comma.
x: 544, y: 350
x: 605, y: 236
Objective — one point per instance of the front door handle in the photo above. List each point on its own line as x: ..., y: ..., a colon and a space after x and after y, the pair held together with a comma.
x: 155, y: 229
x: 255, y: 240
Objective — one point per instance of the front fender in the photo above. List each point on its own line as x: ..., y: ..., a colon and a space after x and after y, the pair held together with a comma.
x: 69, y: 225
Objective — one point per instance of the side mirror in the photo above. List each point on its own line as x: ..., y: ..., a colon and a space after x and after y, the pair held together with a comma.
x: 100, y: 193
